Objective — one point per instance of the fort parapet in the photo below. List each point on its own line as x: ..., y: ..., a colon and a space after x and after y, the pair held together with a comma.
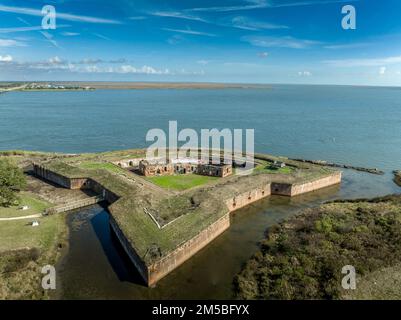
x: 152, y: 270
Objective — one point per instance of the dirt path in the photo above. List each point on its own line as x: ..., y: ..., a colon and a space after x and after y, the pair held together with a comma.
x: 38, y: 215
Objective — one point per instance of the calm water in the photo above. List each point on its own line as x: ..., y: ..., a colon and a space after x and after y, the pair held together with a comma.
x: 359, y: 126
x: 347, y: 124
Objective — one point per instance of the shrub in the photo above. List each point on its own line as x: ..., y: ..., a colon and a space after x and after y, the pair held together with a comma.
x: 306, y: 262
x: 12, y: 180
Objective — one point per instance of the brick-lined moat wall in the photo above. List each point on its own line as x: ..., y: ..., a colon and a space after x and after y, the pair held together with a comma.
x: 168, y: 263
x: 244, y: 199
x: 157, y: 270
x: 135, y: 259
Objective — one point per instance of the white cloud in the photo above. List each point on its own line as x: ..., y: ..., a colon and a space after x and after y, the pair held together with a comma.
x: 249, y: 4
x: 382, y: 70
x: 346, y: 46
x: 10, y: 43
x: 24, y: 29
x: 245, y: 23
x: 178, y: 15
x: 374, y: 62
x: 304, y: 73
x: 55, y: 60
x: 258, y: 4
x: 137, y: 18
x: 123, y: 69
x: 203, y: 62
x: 49, y: 38
x: 6, y: 58
x: 192, y: 32
x: 308, y: 3
x: 279, y: 42
x: 263, y: 54
x: 186, y: 72
x: 143, y: 70
x: 100, y: 36
x: 60, y: 15
x: 56, y: 63
x: 70, y: 34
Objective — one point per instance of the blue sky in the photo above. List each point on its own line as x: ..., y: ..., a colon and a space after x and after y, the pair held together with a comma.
x: 248, y: 41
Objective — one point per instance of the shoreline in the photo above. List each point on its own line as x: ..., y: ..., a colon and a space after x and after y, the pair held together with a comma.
x: 90, y: 86
x: 397, y: 177
x: 325, y: 163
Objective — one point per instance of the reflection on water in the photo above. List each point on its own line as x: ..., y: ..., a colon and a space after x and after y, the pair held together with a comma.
x: 97, y: 268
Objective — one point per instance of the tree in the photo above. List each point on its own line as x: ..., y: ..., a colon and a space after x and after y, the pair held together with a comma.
x: 12, y: 180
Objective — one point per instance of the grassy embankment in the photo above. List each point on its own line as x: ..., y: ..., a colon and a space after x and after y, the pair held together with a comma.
x: 181, y: 182
x: 196, y: 208
x: 302, y: 258
x: 24, y: 249
x: 267, y: 167
x: 101, y: 165
x: 196, y: 212
x: 34, y: 204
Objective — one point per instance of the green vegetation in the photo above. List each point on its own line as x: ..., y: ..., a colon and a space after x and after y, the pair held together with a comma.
x: 66, y: 169
x: 381, y: 284
x: 12, y: 180
x: 192, y: 210
x: 268, y: 168
x: 17, y: 234
x: 302, y: 258
x: 34, y: 204
x: 101, y: 165
x: 109, y: 156
x: 195, y: 215
x: 23, y: 251
x: 22, y: 153
x: 181, y: 182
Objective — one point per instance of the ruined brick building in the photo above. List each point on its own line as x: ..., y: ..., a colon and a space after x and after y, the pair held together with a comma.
x: 184, y: 166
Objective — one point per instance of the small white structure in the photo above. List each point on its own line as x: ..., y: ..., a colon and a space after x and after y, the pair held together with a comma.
x: 24, y: 208
x: 278, y: 164
x: 35, y: 223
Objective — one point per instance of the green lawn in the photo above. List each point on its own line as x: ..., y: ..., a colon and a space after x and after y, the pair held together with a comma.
x: 35, y: 206
x: 181, y: 182
x: 20, y: 266
x: 267, y: 168
x: 18, y: 234
x: 101, y: 165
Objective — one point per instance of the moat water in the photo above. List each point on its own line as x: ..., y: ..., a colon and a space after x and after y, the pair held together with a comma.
x: 353, y: 125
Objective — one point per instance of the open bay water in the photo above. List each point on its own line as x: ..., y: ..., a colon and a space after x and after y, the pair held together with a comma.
x: 360, y: 126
